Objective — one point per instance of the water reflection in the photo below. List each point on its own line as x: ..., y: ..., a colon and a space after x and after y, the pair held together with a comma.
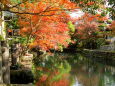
x: 77, y: 70
x: 52, y: 72
x: 77, y: 82
x: 92, y: 73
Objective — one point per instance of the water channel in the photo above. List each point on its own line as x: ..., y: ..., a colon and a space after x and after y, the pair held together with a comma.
x: 74, y: 70
x: 87, y: 72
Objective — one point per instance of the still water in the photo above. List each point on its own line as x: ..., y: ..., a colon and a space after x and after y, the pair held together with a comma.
x: 89, y: 72
x: 77, y: 70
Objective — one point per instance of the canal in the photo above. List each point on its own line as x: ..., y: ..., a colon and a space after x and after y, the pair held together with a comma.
x: 70, y: 69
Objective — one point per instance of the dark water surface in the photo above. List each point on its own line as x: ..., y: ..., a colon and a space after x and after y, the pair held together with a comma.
x: 90, y: 72
x: 75, y: 70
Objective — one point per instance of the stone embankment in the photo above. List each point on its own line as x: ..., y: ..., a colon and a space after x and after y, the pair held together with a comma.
x: 100, y: 53
x: 108, y: 57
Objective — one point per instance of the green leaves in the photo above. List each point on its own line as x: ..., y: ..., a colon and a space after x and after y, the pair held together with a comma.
x: 13, y: 24
x: 60, y: 47
x: 63, y: 69
x: 71, y: 26
x: 1, y: 37
x: 16, y: 1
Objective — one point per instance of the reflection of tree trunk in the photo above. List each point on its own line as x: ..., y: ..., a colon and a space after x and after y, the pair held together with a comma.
x: 5, y: 63
x: 84, y: 77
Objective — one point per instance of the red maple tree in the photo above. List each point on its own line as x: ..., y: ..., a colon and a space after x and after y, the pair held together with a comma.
x: 47, y: 23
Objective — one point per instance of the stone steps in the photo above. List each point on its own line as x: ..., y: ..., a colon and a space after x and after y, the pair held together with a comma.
x: 26, y: 61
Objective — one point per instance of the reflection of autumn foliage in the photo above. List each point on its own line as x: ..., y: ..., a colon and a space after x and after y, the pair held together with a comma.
x: 62, y: 82
x: 50, y: 31
x: 46, y: 80
x: 54, y: 73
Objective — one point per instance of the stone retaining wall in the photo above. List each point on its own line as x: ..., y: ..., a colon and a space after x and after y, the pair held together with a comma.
x: 16, y: 85
x: 109, y: 55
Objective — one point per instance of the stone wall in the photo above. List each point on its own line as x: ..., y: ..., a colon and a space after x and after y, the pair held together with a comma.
x: 100, y: 54
x: 110, y: 46
x: 26, y: 61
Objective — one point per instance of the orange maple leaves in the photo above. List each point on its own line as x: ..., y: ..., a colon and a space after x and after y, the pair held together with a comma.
x: 49, y: 25
x: 112, y: 27
x: 86, y: 26
x: 50, y: 36
x: 96, y: 17
x: 87, y: 3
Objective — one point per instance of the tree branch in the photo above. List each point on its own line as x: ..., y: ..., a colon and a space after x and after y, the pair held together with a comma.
x: 39, y: 14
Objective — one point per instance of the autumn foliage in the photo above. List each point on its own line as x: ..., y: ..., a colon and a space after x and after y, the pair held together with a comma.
x: 87, y: 26
x: 48, y: 25
x: 46, y: 22
x: 112, y: 25
x: 112, y: 28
